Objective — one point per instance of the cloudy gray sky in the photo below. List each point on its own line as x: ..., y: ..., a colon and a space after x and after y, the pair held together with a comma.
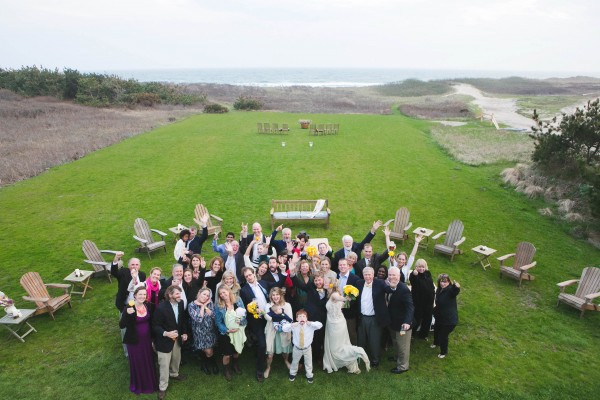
x: 516, y: 35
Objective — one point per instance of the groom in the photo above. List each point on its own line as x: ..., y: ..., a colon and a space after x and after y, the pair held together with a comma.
x: 346, y: 278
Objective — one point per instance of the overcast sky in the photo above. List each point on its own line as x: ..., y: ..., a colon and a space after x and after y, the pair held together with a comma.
x: 514, y: 35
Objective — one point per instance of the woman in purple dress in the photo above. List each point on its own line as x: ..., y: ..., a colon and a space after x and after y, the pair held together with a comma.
x: 136, y: 322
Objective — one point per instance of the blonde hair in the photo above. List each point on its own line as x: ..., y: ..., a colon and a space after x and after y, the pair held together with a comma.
x: 280, y: 292
x: 220, y: 301
x: 421, y: 263
x: 333, y: 288
x: 236, y: 286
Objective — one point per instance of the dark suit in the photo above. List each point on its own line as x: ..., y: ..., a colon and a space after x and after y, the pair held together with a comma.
x: 375, y: 263
x: 268, y: 277
x: 446, y: 315
x: 257, y: 325
x: 400, y: 307
x: 370, y: 326
x: 279, y: 245
x: 351, y: 313
x: 195, y: 244
x: 168, y: 350
x: 123, y: 276
x: 356, y: 248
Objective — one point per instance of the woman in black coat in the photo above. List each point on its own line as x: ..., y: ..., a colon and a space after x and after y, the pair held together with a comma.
x: 135, y: 320
x: 445, y: 312
x: 423, y: 294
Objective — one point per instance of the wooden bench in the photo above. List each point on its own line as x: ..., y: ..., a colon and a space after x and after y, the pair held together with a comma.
x: 298, y: 210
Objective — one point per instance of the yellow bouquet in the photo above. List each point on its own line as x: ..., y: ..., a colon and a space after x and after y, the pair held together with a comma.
x: 254, y: 310
x: 311, y: 251
x: 391, y: 253
x: 351, y: 292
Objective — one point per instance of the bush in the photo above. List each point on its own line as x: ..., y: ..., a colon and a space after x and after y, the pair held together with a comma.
x: 146, y: 99
x: 215, y: 108
x: 247, y: 103
x: 413, y: 88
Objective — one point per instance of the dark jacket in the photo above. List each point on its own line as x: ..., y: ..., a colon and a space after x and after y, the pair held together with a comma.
x: 356, y: 247
x: 164, y: 321
x: 353, y: 310
x: 423, y: 290
x: 400, y: 306
x: 446, y: 310
x: 315, y: 306
x: 239, y: 266
x: 195, y: 245
x: 378, y: 292
x: 123, y: 276
x: 375, y: 263
x: 128, y: 322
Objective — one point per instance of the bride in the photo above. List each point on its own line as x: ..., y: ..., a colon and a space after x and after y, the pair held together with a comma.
x: 338, y: 351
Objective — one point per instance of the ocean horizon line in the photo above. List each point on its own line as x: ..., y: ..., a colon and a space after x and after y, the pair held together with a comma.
x: 321, y: 77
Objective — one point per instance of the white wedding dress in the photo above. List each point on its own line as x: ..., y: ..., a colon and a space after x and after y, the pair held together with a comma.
x: 339, y: 352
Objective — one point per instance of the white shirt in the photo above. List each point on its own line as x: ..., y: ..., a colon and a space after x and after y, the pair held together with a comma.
x: 309, y: 329
x: 259, y: 295
x: 366, y: 301
x: 343, y: 281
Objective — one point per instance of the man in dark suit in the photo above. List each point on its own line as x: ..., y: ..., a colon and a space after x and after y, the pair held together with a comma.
x: 281, y: 245
x: 259, y: 291
x: 176, y: 279
x: 195, y: 242
x: 401, y: 310
x: 346, y: 278
x: 369, y: 260
x: 351, y: 246
x: 234, y: 260
x: 246, y: 240
x: 274, y: 274
x: 373, y: 314
x: 169, y: 325
x: 124, y: 277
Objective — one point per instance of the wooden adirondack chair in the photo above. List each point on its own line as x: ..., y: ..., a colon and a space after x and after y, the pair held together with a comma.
x: 214, y: 222
x: 275, y: 128
x: 454, y: 238
x: 401, y: 225
x: 143, y: 234
x: 95, y: 259
x: 285, y: 128
x: 38, y: 293
x: 587, y: 290
x: 259, y: 127
x: 522, y: 264
x: 266, y: 127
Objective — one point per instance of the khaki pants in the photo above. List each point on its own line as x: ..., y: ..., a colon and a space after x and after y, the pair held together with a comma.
x: 168, y: 365
x: 296, y: 356
x: 401, y: 348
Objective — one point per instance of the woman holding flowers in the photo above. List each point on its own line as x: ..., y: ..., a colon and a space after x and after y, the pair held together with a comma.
x: 278, y: 342
x: 338, y: 351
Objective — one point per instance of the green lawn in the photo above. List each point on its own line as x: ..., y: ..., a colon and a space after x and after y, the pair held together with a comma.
x: 511, y: 342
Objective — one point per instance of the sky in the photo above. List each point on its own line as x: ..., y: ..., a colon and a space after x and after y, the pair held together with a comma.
x: 512, y: 35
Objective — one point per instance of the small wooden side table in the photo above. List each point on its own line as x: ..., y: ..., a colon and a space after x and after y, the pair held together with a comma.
x: 82, y: 280
x: 176, y: 230
x: 15, y: 324
x: 425, y: 233
x: 483, y: 254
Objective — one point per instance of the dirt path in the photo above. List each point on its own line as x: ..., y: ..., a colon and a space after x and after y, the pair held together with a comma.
x: 505, y: 110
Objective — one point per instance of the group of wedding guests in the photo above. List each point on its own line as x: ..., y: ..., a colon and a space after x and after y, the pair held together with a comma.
x: 285, y: 297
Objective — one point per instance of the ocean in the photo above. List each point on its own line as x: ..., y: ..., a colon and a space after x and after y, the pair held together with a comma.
x: 317, y: 77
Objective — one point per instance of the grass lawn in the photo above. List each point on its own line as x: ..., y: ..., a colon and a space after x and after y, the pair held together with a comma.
x: 511, y: 342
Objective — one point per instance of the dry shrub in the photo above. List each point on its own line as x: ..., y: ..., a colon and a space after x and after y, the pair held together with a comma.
x: 574, y: 217
x: 533, y: 191
x: 547, y: 212
x: 437, y: 109
x: 36, y: 135
x: 565, y: 206
x: 510, y: 176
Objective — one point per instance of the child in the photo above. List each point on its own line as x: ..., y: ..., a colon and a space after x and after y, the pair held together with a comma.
x: 302, y: 336
x: 234, y: 321
x: 278, y: 317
